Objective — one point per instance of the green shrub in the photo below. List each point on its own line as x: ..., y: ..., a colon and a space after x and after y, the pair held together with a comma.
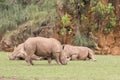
x: 83, y: 40
x: 65, y: 20
x: 105, y: 12
x: 20, y: 11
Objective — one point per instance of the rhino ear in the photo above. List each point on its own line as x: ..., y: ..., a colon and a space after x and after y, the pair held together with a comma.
x: 63, y: 46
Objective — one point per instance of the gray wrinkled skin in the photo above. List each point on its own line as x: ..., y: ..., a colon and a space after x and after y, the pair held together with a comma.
x: 45, y: 47
x: 78, y: 52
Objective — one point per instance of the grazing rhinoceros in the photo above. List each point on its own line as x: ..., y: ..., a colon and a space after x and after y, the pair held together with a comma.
x: 77, y: 52
x: 45, y: 47
x: 19, y: 54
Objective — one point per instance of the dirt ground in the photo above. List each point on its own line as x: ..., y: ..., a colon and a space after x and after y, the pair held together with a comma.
x: 10, y: 78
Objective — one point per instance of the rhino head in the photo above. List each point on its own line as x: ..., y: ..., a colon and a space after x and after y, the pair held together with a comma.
x: 63, y: 57
x: 16, y: 55
x: 12, y: 55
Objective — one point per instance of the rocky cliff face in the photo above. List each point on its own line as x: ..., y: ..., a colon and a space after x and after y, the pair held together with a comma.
x: 20, y: 35
x: 109, y: 43
x: 106, y: 43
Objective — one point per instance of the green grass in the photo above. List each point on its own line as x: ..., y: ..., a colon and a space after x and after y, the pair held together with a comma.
x: 105, y: 68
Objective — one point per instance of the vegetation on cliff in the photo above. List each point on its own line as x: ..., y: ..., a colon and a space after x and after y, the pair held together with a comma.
x: 92, y: 23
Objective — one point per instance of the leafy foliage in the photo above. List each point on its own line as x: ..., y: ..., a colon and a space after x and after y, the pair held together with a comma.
x: 84, y: 40
x: 13, y: 13
x: 105, y: 12
x: 65, y: 20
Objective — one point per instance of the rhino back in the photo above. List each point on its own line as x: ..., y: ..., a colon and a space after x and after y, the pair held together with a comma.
x: 83, y: 52
x: 71, y: 50
x: 41, y: 46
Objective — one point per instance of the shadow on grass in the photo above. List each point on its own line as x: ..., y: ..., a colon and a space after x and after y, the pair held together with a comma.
x: 41, y: 64
x: 9, y: 78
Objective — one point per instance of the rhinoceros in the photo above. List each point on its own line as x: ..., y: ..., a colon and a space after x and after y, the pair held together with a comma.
x: 19, y: 54
x: 45, y: 47
x: 78, y: 52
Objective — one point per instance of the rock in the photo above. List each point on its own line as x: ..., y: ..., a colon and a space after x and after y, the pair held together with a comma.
x: 115, y: 50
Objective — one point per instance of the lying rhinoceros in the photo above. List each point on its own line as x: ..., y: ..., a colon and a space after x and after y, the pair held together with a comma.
x: 77, y: 52
x: 19, y: 54
x: 45, y: 47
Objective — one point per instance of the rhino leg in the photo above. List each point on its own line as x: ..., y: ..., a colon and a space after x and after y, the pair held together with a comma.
x: 74, y: 57
x: 91, y: 57
x: 29, y: 60
x: 57, y: 59
x: 49, y: 60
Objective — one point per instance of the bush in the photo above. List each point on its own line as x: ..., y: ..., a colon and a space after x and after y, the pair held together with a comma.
x: 105, y: 14
x: 84, y: 40
x: 16, y: 14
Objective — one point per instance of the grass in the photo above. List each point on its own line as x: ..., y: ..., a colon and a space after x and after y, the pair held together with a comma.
x: 105, y: 68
